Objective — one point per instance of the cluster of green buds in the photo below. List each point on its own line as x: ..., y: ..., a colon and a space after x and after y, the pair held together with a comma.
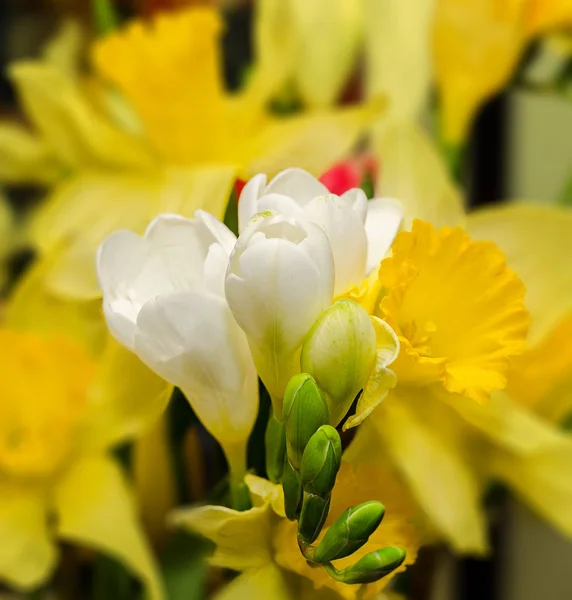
x: 311, y: 463
x: 304, y: 449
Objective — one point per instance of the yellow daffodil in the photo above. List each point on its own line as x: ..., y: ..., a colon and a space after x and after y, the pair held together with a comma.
x: 166, y: 138
x: 477, y: 46
x: 261, y: 542
x: 478, y: 384
x: 60, y: 413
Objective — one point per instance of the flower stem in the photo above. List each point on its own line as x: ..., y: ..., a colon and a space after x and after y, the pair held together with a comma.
x: 236, y: 458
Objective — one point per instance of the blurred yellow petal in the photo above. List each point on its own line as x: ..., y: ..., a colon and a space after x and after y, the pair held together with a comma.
x: 543, y: 481
x: 77, y: 134
x: 242, y: 538
x: 328, y: 34
x: 413, y: 171
x: 398, y: 54
x: 27, y: 554
x: 313, y: 141
x: 431, y: 457
x: 154, y: 479
x: 546, y: 15
x: 263, y: 492
x: 537, y: 244
x: 541, y: 379
x: 85, y: 209
x: 95, y: 510
x: 34, y: 307
x: 265, y: 583
x: 26, y: 157
x: 477, y: 44
x: 505, y: 422
x: 65, y: 49
x: 127, y: 398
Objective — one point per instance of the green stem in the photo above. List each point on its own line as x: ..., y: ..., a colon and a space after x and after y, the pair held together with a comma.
x: 104, y: 16
x: 236, y: 459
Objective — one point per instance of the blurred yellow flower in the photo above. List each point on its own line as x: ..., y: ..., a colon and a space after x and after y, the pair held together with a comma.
x: 58, y: 419
x: 167, y: 138
x: 261, y: 542
x: 477, y: 46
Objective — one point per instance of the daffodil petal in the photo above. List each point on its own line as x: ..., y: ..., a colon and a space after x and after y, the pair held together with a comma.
x: 27, y: 554
x: 317, y: 140
x: 258, y: 584
x: 263, y: 492
x: 414, y: 173
x: 95, y: 509
x: 432, y: 462
x: 126, y: 398
x: 78, y: 135
x: 25, y: 157
x: 242, y: 538
x: 537, y: 244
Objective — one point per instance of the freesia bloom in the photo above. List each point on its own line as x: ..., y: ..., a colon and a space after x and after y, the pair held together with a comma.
x: 163, y: 298
x: 167, y: 138
x: 262, y: 544
x: 280, y: 278
x: 59, y: 416
x: 360, y: 231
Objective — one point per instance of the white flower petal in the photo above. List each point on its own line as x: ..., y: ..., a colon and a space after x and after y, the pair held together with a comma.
x: 344, y: 228
x: 384, y: 216
x: 191, y: 340
x: 283, y: 205
x: 359, y: 201
x: 247, y: 203
x: 219, y: 231
x: 297, y: 184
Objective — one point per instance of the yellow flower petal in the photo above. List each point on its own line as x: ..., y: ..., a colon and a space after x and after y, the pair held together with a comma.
x: 317, y: 140
x: 541, y: 378
x: 399, y: 28
x: 126, y: 398
x: 95, y: 510
x: 26, y: 157
x: 81, y: 212
x: 78, y: 135
x: 429, y: 451
x: 170, y: 71
x: 546, y: 15
x: 65, y: 49
x: 543, y: 481
x: 265, y: 583
x: 413, y: 171
x: 263, y: 492
x: 537, y: 244
x: 34, y: 307
x: 456, y: 307
x: 477, y: 44
x: 242, y: 538
x: 381, y: 379
x: 27, y: 554
x: 352, y: 487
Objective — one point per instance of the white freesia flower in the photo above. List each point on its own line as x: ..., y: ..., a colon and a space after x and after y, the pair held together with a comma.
x: 360, y: 231
x: 163, y: 298
x: 279, y: 280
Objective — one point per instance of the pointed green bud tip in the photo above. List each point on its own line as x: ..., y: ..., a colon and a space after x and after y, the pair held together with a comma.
x: 292, y: 486
x: 312, y: 517
x: 371, y: 567
x: 321, y: 461
x: 350, y: 531
x: 275, y: 442
x: 304, y: 411
x: 339, y: 352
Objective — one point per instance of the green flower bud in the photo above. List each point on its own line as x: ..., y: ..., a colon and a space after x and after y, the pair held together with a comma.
x: 313, y: 516
x: 292, y: 486
x: 321, y: 461
x: 371, y: 567
x: 339, y: 352
x: 350, y: 531
x: 305, y: 410
x: 275, y: 442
